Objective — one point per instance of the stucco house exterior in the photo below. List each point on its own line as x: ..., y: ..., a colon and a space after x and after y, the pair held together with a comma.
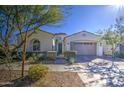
x: 83, y: 43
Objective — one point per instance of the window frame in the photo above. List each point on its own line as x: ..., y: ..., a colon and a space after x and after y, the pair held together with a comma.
x: 36, y: 45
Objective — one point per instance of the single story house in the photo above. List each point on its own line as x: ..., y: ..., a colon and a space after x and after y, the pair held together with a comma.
x: 84, y: 43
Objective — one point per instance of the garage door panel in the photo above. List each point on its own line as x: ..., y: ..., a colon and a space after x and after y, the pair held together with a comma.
x: 85, y: 48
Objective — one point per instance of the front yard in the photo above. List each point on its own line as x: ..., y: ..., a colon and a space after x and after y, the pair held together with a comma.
x: 53, y: 79
x: 94, y: 72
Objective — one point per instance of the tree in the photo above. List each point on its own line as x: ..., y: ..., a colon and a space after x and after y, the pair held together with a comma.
x: 26, y: 18
x: 7, y: 28
x: 114, y: 35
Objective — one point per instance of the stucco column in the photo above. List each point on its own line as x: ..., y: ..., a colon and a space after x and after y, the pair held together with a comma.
x: 53, y: 45
x: 99, y: 49
x: 68, y: 46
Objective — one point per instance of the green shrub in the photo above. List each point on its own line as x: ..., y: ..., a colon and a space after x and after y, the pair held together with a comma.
x: 37, y: 72
x: 31, y: 60
x: 119, y: 54
x: 70, y: 56
x: 13, y: 55
x: 2, y: 54
x: 43, y: 58
x: 39, y: 56
x: 71, y: 60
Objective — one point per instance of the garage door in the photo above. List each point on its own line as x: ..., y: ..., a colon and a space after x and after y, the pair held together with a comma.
x: 85, y: 48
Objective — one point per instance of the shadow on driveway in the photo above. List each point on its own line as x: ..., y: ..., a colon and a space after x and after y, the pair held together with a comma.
x: 84, y: 59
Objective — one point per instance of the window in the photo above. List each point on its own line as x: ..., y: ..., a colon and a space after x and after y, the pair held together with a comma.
x: 87, y: 43
x: 36, y: 45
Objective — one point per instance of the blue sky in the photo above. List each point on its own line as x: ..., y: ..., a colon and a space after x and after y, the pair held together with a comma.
x: 90, y: 18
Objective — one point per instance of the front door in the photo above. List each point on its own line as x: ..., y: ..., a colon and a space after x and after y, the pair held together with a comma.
x: 59, y: 48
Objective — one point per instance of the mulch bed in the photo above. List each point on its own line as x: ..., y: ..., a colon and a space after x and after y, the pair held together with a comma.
x: 6, y: 75
x: 63, y: 79
x: 53, y: 79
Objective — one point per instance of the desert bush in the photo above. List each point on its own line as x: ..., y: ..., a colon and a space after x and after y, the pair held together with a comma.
x: 37, y: 72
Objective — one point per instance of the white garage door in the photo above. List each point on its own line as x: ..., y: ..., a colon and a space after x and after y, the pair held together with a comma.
x: 85, y: 48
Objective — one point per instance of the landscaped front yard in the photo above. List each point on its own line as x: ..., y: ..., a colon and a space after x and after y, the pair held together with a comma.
x: 53, y: 79
x: 98, y: 73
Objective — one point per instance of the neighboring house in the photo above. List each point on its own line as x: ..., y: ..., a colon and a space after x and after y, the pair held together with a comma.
x: 84, y: 43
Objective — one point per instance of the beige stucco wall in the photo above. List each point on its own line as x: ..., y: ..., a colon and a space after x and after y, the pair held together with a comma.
x: 46, y: 40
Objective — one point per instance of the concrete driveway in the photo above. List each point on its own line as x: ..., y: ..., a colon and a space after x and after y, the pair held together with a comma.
x: 83, y: 59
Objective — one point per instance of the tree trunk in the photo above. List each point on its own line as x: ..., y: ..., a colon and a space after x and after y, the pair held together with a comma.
x: 23, y: 58
x: 24, y: 54
x: 113, y: 56
x: 24, y: 51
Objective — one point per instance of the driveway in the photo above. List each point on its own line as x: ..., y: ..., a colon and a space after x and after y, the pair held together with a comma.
x: 83, y: 59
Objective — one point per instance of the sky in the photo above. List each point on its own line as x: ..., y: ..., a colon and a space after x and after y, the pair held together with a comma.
x: 90, y: 18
